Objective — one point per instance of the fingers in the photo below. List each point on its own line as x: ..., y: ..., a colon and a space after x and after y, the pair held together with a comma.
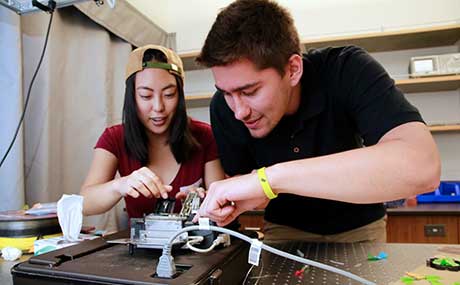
x: 143, y: 185
x: 136, y: 187
x: 144, y: 181
x: 200, y: 190
x: 153, y: 183
x: 222, y: 217
x: 196, y: 217
x: 222, y: 214
x: 227, y: 216
x: 228, y: 198
x: 183, y: 193
x: 215, y: 211
x: 133, y: 193
x: 219, y: 217
x: 229, y: 219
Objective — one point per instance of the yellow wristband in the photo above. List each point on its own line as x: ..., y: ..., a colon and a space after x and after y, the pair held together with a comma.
x: 265, y: 185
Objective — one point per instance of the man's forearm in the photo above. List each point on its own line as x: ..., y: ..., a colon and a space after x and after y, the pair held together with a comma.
x: 387, y: 171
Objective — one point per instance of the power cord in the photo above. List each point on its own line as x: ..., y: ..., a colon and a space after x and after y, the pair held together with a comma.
x: 195, y: 249
x: 221, y: 239
x: 166, y: 267
x: 195, y: 239
x: 30, y: 86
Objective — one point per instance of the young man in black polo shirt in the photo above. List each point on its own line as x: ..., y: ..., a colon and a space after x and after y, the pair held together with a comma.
x: 336, y: 136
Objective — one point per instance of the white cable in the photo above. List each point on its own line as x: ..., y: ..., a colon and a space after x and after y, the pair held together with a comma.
x: 167, y: 252
x: 247, y: 274
x: 195, y: 239
x: 214, y: 244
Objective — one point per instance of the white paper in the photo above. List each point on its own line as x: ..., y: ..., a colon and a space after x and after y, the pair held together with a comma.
x: 70, y: 216
x: 11, y: 253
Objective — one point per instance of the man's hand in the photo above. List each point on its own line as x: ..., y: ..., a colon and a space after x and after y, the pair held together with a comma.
x: 227, y: 199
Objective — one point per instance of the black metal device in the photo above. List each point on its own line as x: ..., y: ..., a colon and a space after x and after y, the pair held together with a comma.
x: 100, y: 262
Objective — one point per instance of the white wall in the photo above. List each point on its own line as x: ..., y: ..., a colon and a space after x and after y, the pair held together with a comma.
x: 191, y: 20
x: 437, y: 108
x: 320, y: 18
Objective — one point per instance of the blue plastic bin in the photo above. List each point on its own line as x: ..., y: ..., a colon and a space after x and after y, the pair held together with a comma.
x: 447, y: 192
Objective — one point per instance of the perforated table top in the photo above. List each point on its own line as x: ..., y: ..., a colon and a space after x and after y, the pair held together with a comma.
x: 351, y: 257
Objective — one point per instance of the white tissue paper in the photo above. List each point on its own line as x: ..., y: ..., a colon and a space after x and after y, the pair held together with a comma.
x: 11, y: 253
x: 70, y: 216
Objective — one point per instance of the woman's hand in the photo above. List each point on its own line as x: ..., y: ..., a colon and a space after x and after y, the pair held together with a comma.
x: 183, y: 194
x: 143, y: 181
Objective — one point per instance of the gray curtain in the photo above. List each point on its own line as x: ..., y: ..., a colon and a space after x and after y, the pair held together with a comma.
x: 77, y: 93
x: 128, y: 23
x: 11, y: 101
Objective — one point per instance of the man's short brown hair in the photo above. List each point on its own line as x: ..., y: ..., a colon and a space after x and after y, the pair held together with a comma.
x: 259, y: 30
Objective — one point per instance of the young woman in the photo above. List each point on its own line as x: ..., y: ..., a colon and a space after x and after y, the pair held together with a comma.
x: 157, y: 149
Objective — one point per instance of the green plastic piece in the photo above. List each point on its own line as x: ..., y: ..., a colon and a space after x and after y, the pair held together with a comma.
x: 407, y: 280
x: 448, y: 261
x: 380, y: 256
x: 433, y: 279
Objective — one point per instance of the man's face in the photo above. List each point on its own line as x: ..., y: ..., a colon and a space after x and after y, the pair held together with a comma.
x: 259, y: 98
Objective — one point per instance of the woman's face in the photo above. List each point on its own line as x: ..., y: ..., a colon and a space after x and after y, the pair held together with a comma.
x: 156, y: 97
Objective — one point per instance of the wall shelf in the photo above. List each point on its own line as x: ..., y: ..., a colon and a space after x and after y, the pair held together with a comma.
x: 198, y: 97
x: 202, y: 100
x: 444, y: 128
x: 198, y: 100
x: 373, y: 42
x: 188, y: 59
x: 394, y: 40
x: 429, y: 84
x: 413, y: 85
x: 376, y: 42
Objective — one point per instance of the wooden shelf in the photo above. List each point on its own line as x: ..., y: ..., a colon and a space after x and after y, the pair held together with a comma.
x: 373, y: 42
x: 394, y: 40
x: 202, y: 100
x: 429, y: 84
x: 198, y: 97
x: 188, y: 59
x: 444, y: 128
x: 198, y: 100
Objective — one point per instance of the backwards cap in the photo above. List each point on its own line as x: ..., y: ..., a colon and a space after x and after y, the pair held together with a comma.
x: 135, y: 64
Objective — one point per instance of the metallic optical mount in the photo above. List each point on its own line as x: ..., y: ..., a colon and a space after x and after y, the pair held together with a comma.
x: 154, y: 230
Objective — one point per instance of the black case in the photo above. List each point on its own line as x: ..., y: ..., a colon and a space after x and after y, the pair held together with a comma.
x: 99, y: 262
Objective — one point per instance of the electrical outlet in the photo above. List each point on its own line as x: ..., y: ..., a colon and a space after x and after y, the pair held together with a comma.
x: 435, y: 230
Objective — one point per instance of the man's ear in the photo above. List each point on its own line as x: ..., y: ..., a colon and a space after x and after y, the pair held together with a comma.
x: 295, y: 69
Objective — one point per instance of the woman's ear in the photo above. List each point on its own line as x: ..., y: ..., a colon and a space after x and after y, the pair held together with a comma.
x: 295, y: 69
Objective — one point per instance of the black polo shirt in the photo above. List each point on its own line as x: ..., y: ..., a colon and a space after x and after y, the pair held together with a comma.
x: 348, y: 102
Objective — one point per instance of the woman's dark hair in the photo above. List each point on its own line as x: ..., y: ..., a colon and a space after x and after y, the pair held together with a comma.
x: 180, y: 139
